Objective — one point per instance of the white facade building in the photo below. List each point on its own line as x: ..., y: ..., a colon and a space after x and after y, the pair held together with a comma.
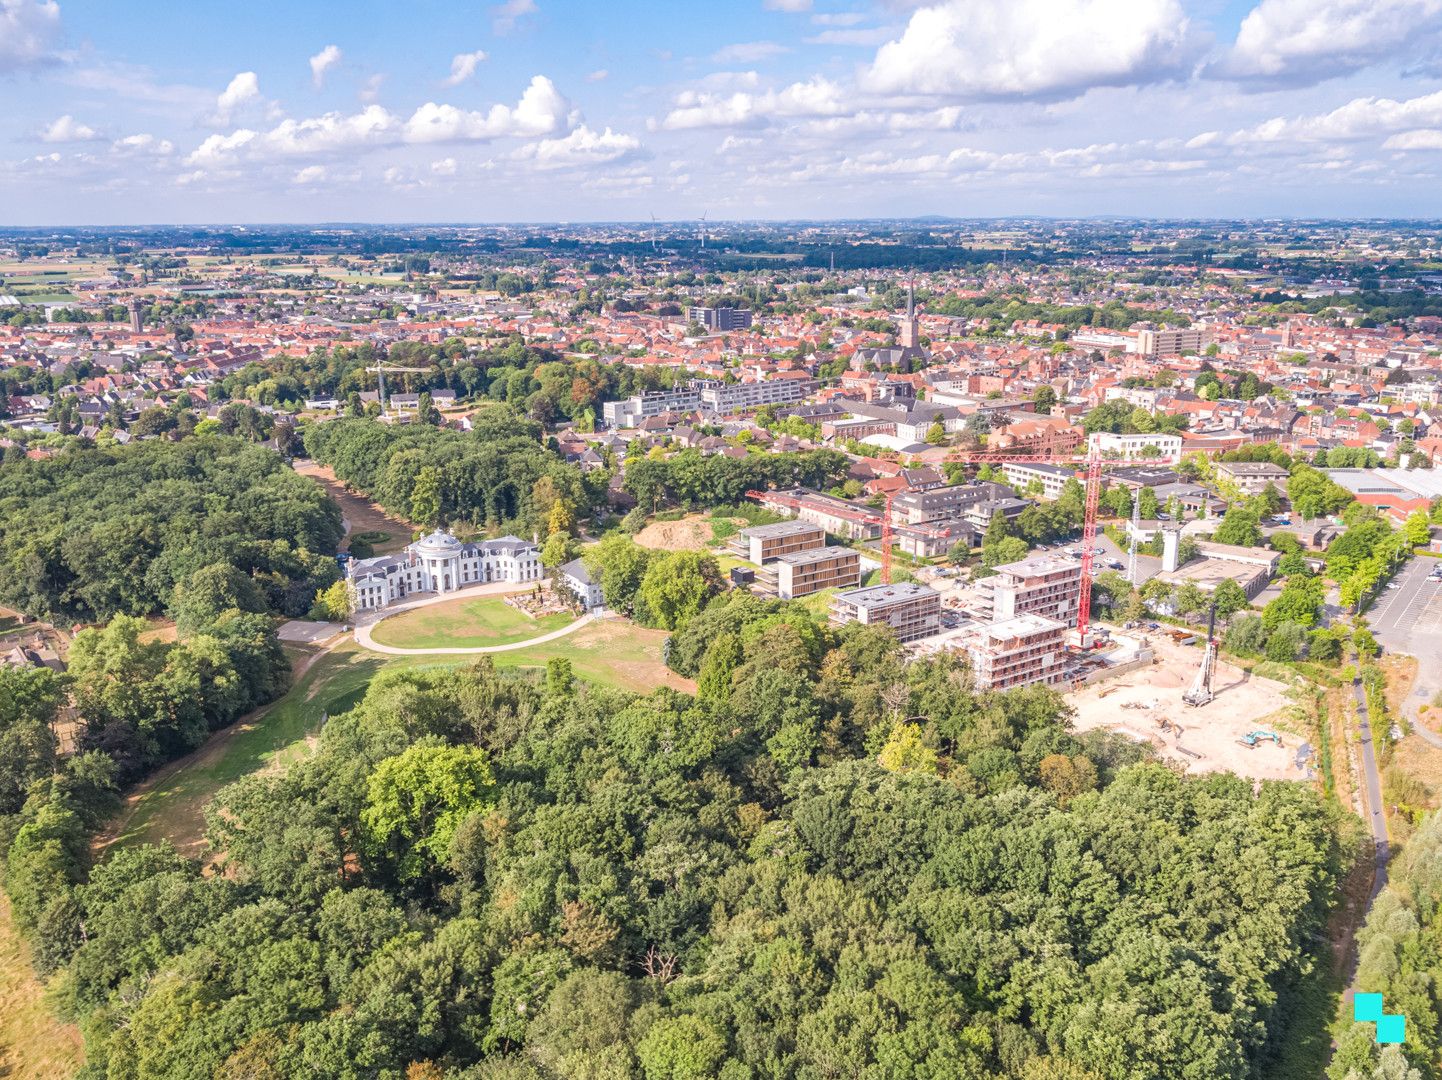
x: 440, y: 563
x: 1135, y: 447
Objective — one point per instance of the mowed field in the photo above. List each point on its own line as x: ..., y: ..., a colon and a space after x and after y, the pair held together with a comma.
x: 33, y: 1044
x: 464, y: 624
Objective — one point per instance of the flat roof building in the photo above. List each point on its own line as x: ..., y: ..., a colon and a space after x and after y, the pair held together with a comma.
x: 912, y: 611
x: 1040, y: 585
x: 762, y: 543
x: 801, y: 573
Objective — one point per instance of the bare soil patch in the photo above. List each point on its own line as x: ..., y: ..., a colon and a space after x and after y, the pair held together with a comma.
x: 691, y: 533
x: 1136, y: 704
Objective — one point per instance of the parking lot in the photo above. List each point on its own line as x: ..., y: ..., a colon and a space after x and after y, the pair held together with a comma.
x: 1408, y: 619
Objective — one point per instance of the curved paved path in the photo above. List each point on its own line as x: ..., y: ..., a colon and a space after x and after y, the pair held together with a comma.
x: 366, y: 622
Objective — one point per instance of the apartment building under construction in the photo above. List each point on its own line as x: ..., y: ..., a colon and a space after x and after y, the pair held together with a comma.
x: 1017, y: 651
x: 1040, y: 585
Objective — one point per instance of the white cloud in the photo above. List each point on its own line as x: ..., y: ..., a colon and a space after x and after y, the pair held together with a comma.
x: 541, y: 110
x: 444, y: 167
x: 1426, y: 139
x: 748, y: 52
x: 793, y: 6
x: 371, y: 89
x: 28, y: 31
x: 144, y: 143
x: 67, y: 129
x: 242, y: 90
x: 866, y: 35
x: 322, y: 62
x: 581, y: 147
x: 817, y: 96
x: 463, y: 66
x: 838, y: 18
x: 311, y: 174
x: 599, y: 75
x: 1360, y: 118
x: 330, y: 133
x: 980, y: 49
x: 505, y: 16
x: 1307, y: 41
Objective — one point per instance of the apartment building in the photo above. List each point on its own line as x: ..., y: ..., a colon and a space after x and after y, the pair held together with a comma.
x: 1018, y: 651
x: 801, y: 573
x: 840, y: 517
x: 1135, y: 447
x: 942, y: 503
x: 727, y: 398
x: 1040, y: 585
x: 720, y: 320
x: 631, y: 411
x: 1052, y: 478
x: 762, y: 543
x: 1170, y: 342
x: 912, y: 611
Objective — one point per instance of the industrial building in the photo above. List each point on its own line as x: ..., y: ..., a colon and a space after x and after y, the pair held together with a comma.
x: 912, y: 611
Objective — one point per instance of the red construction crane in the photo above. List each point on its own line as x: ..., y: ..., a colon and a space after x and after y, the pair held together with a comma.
x: 1091, y: 462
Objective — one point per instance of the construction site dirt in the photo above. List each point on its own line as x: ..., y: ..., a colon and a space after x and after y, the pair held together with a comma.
x: 1146, y: 704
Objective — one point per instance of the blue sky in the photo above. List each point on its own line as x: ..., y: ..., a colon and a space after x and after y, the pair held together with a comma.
x: 533, y: 110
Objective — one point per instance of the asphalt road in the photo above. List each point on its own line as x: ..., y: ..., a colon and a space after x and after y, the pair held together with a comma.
x: 1376, y: 820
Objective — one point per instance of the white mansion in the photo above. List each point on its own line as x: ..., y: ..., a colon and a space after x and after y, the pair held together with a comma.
x: 440, y: 563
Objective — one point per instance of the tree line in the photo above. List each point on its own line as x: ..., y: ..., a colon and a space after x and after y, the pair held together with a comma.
x: 497, y: 476
x: 91, y: 533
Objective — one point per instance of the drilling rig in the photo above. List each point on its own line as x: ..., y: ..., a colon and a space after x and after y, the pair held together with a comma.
x: 1200, y: 692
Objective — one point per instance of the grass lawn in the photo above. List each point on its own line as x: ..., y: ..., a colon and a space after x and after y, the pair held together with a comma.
x: 33, y: 1044
x: 171, y: 807
x: 464, y: 624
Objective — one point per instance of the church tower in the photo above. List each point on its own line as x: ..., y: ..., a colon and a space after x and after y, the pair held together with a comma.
x: 908, y: 334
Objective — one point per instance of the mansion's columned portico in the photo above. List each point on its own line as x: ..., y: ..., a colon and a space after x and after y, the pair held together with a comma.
x: 440, y: 563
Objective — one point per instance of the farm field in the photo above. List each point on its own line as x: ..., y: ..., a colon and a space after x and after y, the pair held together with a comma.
x: 464, y: 624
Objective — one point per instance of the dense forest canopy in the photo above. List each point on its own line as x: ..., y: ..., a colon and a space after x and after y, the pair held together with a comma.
x: 827, y: 863
x: 92, y: 533
x: 497, y: 476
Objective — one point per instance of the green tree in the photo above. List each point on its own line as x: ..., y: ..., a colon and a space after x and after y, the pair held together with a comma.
x: 684, y: 1047
x: 417, y: 799
x: 425, y: 507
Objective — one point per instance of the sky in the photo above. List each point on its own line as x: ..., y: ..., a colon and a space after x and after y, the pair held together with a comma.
x: 149, y: 112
